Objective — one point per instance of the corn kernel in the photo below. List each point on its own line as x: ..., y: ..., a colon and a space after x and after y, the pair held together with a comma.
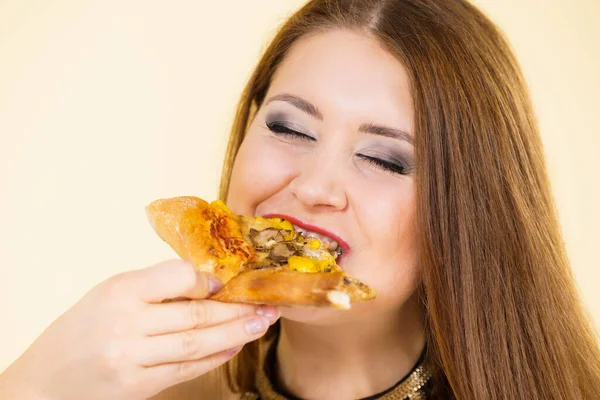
x: 314, y: 244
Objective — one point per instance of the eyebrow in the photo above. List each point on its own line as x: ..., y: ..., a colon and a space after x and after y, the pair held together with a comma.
x: 386, y: 131
x: 312, y: 110
x: 299, y: 103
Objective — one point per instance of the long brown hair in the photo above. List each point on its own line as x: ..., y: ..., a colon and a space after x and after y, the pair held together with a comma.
x: 504, y: 320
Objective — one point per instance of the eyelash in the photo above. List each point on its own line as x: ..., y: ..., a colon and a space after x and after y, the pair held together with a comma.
x: 387, y: 166
x: 285, y: 132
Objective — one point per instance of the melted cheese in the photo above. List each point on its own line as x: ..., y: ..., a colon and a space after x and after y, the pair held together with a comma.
x: 305, y: 264
x: 312, y: 261
x: 261, y: 223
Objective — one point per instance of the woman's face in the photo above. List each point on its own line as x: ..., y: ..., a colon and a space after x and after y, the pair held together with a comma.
x: 331, y: 147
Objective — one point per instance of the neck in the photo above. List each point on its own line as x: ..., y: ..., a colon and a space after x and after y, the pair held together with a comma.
x: 349, y: 361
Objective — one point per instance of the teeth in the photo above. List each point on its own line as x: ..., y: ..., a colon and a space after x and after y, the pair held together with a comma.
x: 332, y: 245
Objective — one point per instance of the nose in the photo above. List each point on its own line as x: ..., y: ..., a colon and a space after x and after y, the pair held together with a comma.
x: 319, y: 182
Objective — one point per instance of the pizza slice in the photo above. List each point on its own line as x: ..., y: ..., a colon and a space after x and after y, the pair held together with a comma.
x: 259, y: 260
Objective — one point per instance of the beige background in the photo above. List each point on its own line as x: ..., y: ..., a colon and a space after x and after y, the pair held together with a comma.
x: 107, y: 105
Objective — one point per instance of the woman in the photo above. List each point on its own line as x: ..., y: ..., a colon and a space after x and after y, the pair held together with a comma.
x: 402, y: 127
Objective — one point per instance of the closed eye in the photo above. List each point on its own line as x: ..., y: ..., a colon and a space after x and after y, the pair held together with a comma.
x: 283, y: 131
x: 385, y: 165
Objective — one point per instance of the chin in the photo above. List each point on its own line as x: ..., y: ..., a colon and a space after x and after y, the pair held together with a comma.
x: 308, y: 315
x: 325, y: 316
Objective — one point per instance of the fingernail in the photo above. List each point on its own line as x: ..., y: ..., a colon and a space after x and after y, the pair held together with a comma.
x: 214, y: 285
x: 270, y: 313
x: 256, y: 326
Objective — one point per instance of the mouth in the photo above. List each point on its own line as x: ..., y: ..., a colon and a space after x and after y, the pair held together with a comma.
x: 335, y: 244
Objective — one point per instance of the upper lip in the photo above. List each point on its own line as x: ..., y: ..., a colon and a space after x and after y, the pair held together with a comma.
x: 313, y: 228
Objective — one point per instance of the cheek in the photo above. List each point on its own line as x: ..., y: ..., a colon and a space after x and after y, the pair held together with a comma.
x: 390, y: 242
x: 259, y: 172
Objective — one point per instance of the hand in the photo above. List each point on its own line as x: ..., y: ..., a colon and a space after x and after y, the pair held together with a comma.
x: 122, y: 341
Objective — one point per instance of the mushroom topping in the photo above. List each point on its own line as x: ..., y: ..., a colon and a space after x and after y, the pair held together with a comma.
x: 282, y: 251
x: 263, y: 264
x: 267, y: 237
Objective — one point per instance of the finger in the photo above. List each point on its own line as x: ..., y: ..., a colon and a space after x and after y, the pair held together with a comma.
x: 159, y: 319
x: 167, y: 375
x: 172, y: 279
x: 198, y: 343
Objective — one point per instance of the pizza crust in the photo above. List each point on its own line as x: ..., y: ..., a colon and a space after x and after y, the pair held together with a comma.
x: 212, y: 239
x: 204, y: 234
x: 284, y: 287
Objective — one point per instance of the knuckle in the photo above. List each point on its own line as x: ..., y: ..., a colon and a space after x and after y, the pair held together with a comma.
x: 190, y: 347
x: 131, y: 385
x: 116, y: 284
x: 120, y: 370
x: 188, y: 370
x: 114, y: 357
x: 199, y: 313
x: 117, y: 329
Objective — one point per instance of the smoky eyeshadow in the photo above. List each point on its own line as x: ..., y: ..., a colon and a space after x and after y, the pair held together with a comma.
x: 277, y: 116
x: 386, y: 153
x: 281, y: 118
x: 397, y: 157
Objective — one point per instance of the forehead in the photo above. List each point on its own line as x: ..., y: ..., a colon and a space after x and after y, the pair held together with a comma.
x: 349, y: 72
